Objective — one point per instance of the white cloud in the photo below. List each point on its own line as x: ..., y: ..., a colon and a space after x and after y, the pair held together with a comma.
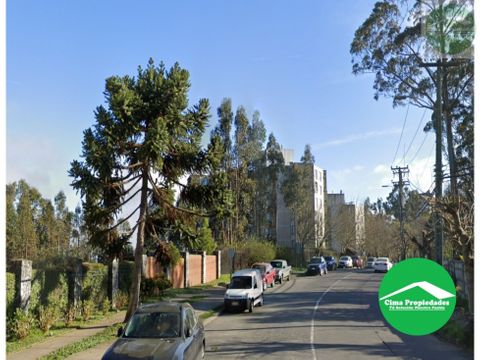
x: 356, y: 137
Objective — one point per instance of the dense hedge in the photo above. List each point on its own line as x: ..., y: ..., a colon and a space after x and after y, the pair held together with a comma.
x: 125, y: 272
x: 95, y: 282
x: 10, y: 294
x: 48, y: 286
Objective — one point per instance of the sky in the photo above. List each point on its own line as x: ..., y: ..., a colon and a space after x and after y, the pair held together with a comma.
x: 288, y: 60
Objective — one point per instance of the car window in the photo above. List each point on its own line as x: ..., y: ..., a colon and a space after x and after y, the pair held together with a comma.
x: 260, y: 267
x: 328, y: 258
x: 153, y: 325
x: 241, y: 282
x: 316, y: 260
x: 344, y: 258
x: 276, y: 264
x: 190, y: 320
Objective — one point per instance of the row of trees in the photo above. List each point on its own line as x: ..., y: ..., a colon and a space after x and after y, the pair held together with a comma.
x: 395, y: 42
x: 36, y: 227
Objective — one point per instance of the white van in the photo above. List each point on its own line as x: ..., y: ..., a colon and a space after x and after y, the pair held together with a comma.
x: 245, y: 291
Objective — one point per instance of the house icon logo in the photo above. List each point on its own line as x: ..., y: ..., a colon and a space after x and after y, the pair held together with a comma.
x: 417, y: 296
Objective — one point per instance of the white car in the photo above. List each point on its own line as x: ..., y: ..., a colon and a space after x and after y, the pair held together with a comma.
x: 245, y: 291
x: 345, y: 262
x: 382, y: 264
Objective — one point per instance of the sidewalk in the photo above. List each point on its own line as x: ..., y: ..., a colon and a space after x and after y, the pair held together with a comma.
x: 211, y: 298
x: 201, y: 301
x: 44, y: 348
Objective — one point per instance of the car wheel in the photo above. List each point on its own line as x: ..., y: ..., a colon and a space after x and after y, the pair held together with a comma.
x: 261, y: 302
x: 281, y: 280
x: 264, y: 286
x: 250, y: 306
x: 202, y: 354
x: 272, y: 284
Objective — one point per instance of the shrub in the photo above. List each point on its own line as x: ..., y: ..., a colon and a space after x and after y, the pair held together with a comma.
x: 120, y: 299
x: 167, y: 254
x: 155, y: 286
x: 257, y: 251
x: 70, y: 314
x: 20, y: 325
x: 125, y: 271
x: 87, y: 309
x: 95, y: 282
x: 47, y: 316
x: 10, y: 295
x: 105, y: 306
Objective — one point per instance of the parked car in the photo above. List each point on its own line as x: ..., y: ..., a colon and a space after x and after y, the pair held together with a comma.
x: 245, y: 291
x: 370, y: 262
x: 331, y: 262
x: 267, y: 272
x: 382, y: 264
x: 345, y: 262
x: 317, y: 266
x: 357, y: 262
x: 165, y: 330
x: 282, y: 270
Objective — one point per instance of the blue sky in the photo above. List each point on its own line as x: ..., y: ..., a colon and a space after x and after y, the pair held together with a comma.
x: 288, y: 60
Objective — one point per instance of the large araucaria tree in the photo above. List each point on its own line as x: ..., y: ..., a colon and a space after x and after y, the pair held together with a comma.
x: 143, y: 144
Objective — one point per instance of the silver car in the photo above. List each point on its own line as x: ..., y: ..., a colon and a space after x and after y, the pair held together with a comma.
x: 164, y: 330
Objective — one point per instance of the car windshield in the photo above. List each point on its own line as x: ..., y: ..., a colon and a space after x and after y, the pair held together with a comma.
x: 276, y: 264
x: 241, y: 282
x: 262, y: 268
x: 382, y: 259
x: 153, y: 325
x: 329, y: 258
x: 316, y: 260
x: 371, y: 259
x: 344, y: 258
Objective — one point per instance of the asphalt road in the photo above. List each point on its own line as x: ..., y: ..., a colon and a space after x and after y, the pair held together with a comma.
x: 330, y: 317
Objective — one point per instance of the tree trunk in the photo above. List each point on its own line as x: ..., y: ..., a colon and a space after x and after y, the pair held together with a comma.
x: 468, y: 270
x: 137, y: 275
x: 449, y: 132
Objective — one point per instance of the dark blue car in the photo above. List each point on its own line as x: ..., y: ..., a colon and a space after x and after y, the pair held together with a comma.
x: 331, y: 262
x: 317, y: 266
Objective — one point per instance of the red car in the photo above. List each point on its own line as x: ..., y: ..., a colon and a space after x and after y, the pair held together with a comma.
x: 268, y: 274
x: 357, y: 262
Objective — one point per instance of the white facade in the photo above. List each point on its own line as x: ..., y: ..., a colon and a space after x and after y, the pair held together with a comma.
x: 286, y: 232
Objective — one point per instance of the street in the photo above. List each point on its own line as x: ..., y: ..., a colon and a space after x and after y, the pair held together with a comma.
x: 330, y: 317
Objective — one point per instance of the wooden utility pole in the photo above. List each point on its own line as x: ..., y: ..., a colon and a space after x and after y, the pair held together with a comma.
x: 401, y: 171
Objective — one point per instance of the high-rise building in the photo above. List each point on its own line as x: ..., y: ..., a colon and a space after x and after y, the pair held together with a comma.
x: 287, y: 229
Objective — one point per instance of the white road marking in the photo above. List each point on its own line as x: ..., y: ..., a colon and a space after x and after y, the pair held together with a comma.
x: 312, y: 323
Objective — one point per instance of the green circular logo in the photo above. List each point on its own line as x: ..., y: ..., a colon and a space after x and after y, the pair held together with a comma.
x: 417, y: 296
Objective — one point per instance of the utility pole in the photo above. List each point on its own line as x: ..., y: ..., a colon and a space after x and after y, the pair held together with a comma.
x: 401, y: 171
x: 438, y: 220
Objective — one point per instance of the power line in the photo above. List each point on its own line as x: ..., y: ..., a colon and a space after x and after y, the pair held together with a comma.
x: 414, y: 136
x: 418, y: 150
x: 401, y: 134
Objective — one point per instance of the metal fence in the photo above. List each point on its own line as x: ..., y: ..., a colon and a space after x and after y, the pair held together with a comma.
x: 456, y: 268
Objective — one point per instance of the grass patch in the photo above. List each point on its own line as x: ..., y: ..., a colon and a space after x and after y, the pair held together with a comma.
x: 211, y: 312
x: 37, y: 336
x: 108, y: 334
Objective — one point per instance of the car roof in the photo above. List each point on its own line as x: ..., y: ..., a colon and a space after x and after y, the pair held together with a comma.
x: 277, y: 260
x: 163, y: 306
x: 246, y: 272
x: 262, y: 263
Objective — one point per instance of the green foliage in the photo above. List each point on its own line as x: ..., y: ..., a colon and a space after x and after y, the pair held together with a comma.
x: 10, y: 294
x: 106, y: 305
x: 167, y: 254
x: 20, y: 325
x: 70, y: 314
x: 204, y: 241
x: 153, y: 287
x: 125, y: 272
x: 257, y: 251
x: 148, y: 129
x: 35, y: 228
x: 88, y: 307
x: 47, y: 316
x: 120, y: 299
x: 95, y: 282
